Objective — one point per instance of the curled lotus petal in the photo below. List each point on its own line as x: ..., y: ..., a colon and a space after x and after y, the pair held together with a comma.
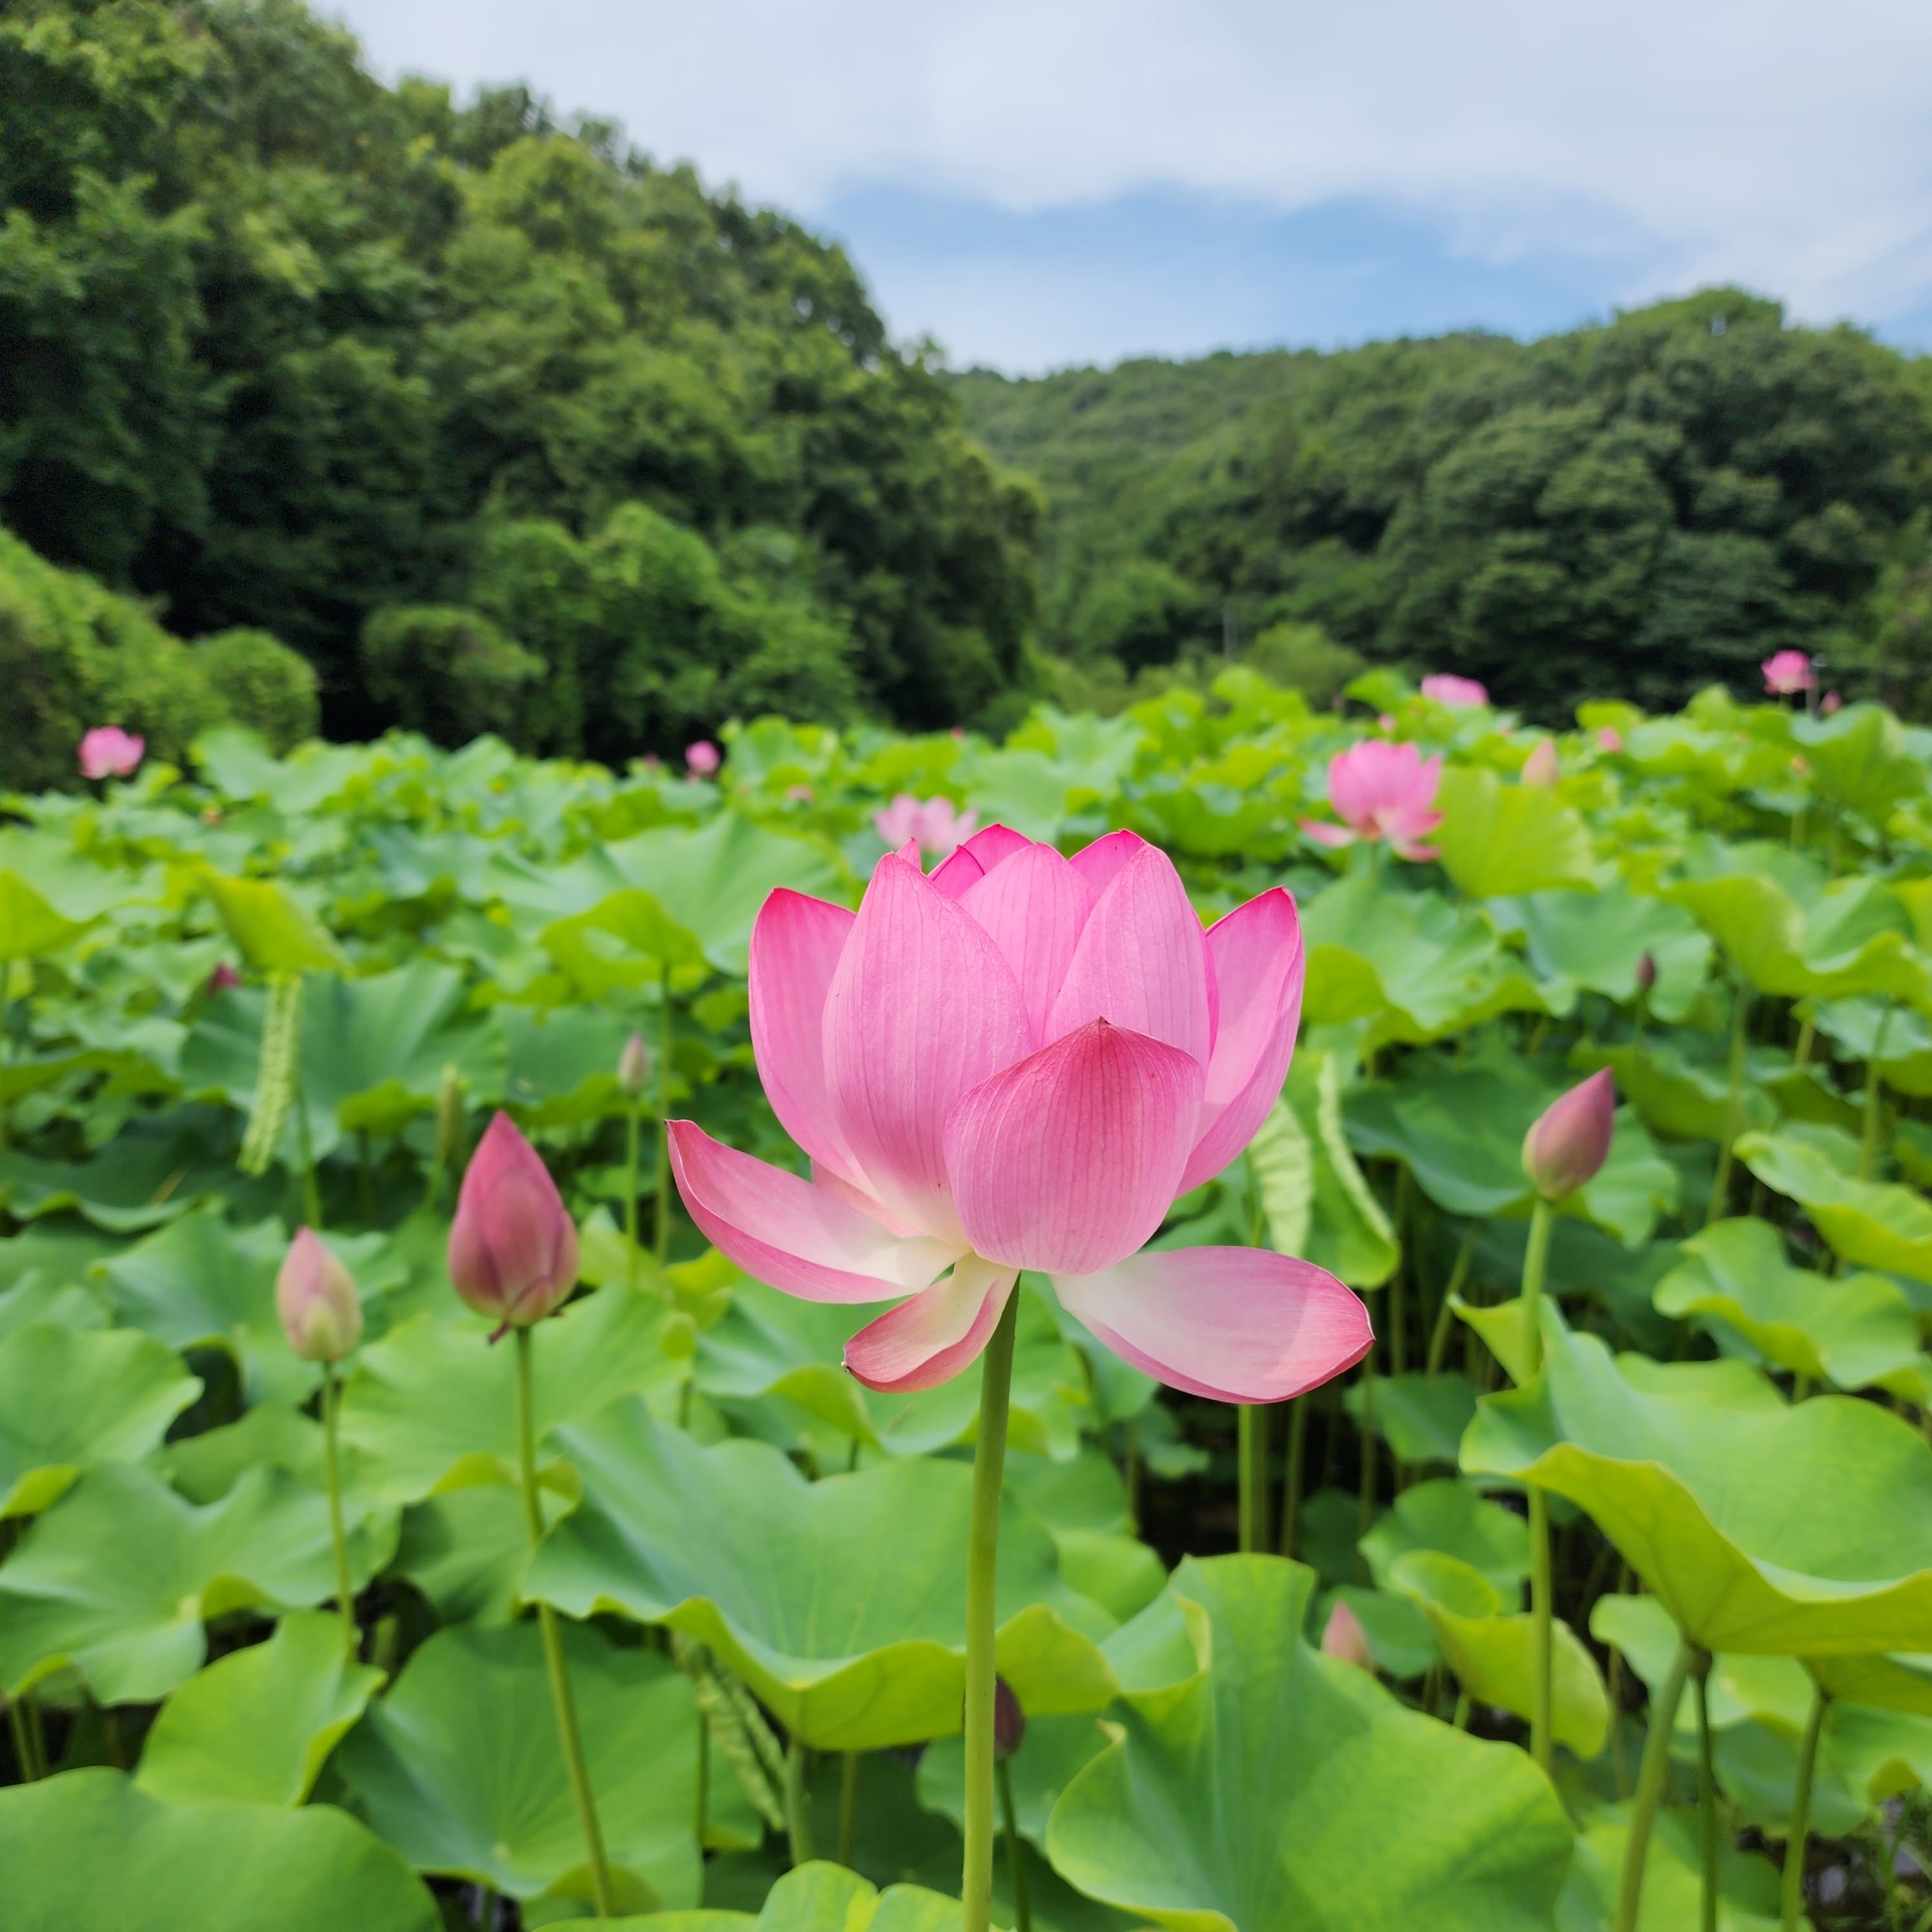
x: 928, y: 1339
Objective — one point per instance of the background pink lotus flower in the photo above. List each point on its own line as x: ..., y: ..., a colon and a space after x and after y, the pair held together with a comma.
x: 703, y: 758
x: 224, y: 978
x: 1786, y: 673
x: 1542, y: 767
x: 1569, y: 1141
x: 1019, y: 1063
x: 1462, y: 693
x: 1344, y: 1638
x: 108, y: 751
x: 1610, y: 738
x: 1830, y: 703
x: 1382, y: 790
x: 513, y: 1247
x: 935, y: 825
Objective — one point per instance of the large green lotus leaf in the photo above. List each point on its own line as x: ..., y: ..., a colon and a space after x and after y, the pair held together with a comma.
x: 563, y: 1065
x: 459, y: 1768
x: 152, y: 1171
x: 1675, y: 1095
x: 1273, y: 1790
x: 202, y: 1283
x: 71, y: 1398
x: 467, y: 1550
x: 432, y: 1405
x: 624, y: 942
x: 1458, y: 1519
x: 1401, y: 1642
x: 1492, y: 1649
x: 816, y: 1898
x: 1459, y: 1130
x: 1498, y: 839
x: 30, y: 928
x: 1051, y: 1752
x: 1742, y: 1689
x: 1805, y: 1531
x: 236, y: 763
x: 1899, y: 1039
x: 62, y: 1251
x: 275, y: 931
x: 718, y: 876
x: 1859, y: 758
x: 1856, y: 1331
x: 1595, y: 941
x: 1317, y: 1203
x: 89, y: 1850
x: 373, y: 1050
x: 840, y: 1602
x: 40, y: 1296
x: 116, y: 1579
x: 1420, y: 1418
x: 256, y: 1725
x: 1671, y: 1900
x: 1412, y: 966
x: 273, y: 1434
x: 1873, y: 1224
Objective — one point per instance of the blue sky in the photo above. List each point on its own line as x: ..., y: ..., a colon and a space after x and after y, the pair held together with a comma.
x: 1038, y: 183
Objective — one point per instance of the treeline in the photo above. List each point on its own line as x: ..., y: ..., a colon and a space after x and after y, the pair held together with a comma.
x: 1639, y: 509
x: 495, y: 421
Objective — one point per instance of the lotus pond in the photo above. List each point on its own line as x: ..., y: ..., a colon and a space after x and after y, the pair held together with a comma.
x: 570, y: 1526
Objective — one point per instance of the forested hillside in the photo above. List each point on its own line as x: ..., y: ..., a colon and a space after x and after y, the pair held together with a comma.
x: 1640, y: 508
x: 497, y: 421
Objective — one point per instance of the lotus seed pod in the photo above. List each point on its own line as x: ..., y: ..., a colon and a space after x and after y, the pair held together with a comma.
x: 315, y: 1296
x: 1570, y: 1141
x: 634, y: 1066
x: 1345, y: 1640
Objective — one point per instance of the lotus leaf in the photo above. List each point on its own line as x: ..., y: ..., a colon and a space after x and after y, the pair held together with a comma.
x: 1595, y: 941
x: 1421, y: 1417
x: 816, y: 1898
x: 1869, y: 1223
x: 275, y: 932
x: 1498, y: 839
x: 841, y: 1602
x: 1456, y: 1519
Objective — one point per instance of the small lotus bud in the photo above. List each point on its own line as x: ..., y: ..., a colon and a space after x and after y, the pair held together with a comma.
x: 224, y: 979
x: 513, y: 1250
x: 1609, y: 738
x: 703, y: 758
x: 316, y: 1297
x: 1830, y: 703
x: 449, y: 1120
x: 1541, y: 767
x: 1345, y: 1640
x: 1646, y: 975
x: 634, y: 1066
x: 1009, y: 1721
x: 1570, y: 1141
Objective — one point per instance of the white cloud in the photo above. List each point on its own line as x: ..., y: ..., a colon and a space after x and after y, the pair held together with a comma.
x: 1779, y: 143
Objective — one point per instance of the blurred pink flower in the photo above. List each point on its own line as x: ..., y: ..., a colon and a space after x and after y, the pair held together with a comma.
x: 224, y: 979
x: 1830, y: 703
x: 1019, y: 1062
x: 1568, y: 1142
x: 513, y: 1247
x: 316, y: 1299
x: 1461, y: 694
x: 1344, y: 1639
x: 799, y: 794
x: 1542, y: 767
x: 108, y: 751
x: 935, y: 825
x: 1610, y: 738
x: 1787, y: 673
x: 703, y: 758
x: 1381, y: 790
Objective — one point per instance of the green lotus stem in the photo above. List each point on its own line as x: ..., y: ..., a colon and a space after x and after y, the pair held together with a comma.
x: 1297, y: 1464
x: 703, y: 1770
x: 365, y: 1175
x: 1720, y: 1186
x: 635, y: 1137
x: 6, y: 1045
x: 569, y: 1735
x: 1707, y: 1789
x: 1793, y: 1913
x: 1460, y: 1721
x: 661, y: 1221
x: 19, y: 1718
x: 1535, y: 1266
x: 1438, y: 1338
x: 982, y: 1556
x: 311, y: 1194
x: 1874, y: 1091
x: 848, y: 1808
x: 1130, y: 1431
x: 1366, y: 1490
x: 1251, y: 1423
x: 1651, y: 1778
x: 331, y: 1461
x: 797, y: 1805
x: 1807, y: 1034
x: 1015, y: 1867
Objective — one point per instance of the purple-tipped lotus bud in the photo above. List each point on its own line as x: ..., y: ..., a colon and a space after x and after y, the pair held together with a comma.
x: 634, y: 1066
x: 1646, y: 975
x: 513, y: 1250
x: 1009, y: 1721
x: 1345, y: 1640
x: 1571, y: 1139
x: 316, y: 1297
x: 224, y: 978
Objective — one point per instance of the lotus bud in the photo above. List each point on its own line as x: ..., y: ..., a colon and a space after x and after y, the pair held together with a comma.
x: 1541, y: 767
x: 1830, y: 703
x: 1009, y: 1721
x: 703, y: 758
x: 449, y: 1120
x: 634, y: 1066
x: 513, y: 1246
x: 1646, y: 975
x: 1345, y: 1640
x: 224, y: 978
x: 315, y: 1296
x: 1570, y: 1140
x: 1609, y: 738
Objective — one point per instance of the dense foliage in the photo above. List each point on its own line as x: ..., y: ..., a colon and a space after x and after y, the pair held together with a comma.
x: 760, y: 1562
x: 1637, y: 509
x: 283, y: 348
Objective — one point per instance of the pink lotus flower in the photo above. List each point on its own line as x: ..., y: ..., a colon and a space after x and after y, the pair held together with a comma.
x: 1786, y: 673
x: 1610, y: 738
x: 1344, y: 1639
x: 1570, y: 1140
x: 1460, y: 693
x: 513, y: 1251
x: 316, y: 1298
x: 703, y: 758
x: 1542, y: 767
x: 935, y: 825
x: 108, y: 751
x: 1019, y: 1062
x: 1830, y: 703
x: 1382, y: 790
